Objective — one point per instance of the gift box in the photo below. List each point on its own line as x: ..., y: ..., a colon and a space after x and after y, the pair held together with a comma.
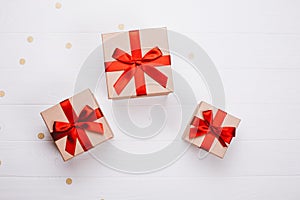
x: 77, y: 124
x: 137, y: 63
x: 211, y: 129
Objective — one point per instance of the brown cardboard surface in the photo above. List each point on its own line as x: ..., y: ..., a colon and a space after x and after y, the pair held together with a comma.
x: 149, y: 38
x: 78, y: 101
x: 216, y: 149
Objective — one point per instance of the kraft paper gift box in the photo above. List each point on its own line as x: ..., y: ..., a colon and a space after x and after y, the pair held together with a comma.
x: 77, y: 124
x: 211, y: 129
x: 137, y: 63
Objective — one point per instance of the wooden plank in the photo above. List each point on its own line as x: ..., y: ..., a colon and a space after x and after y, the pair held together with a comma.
x: 251, y: 51
x: 228, y: 51
x: 241, y: 86
x: 218, y: 16
x: 261, y: 86
x: 244, y: 158
x: 47, y: 51
x: 151, y: 188
x: 36, y: 87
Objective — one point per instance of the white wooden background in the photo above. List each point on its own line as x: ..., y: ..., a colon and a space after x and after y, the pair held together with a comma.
x: 255, y: 45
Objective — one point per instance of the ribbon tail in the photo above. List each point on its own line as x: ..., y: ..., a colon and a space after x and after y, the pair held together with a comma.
x: 222, y: 142
x: 156, y: 75
x: 84, y: 140
x: 71, y: 141
x: 123, y: 80
x: 140, y: 84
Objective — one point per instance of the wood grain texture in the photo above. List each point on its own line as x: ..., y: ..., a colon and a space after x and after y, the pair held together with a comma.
x: 137, y: 188
x: 255, y: 45
x: 264, y: 158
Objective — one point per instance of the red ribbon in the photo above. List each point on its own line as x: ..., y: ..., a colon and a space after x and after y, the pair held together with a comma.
x: 211, y: 128
x: 135, y: 65
x: 75, y: 128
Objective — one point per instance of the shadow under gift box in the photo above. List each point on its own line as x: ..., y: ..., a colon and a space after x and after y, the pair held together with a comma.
x: 83, y: 125
x: 137, y: 63
x: 213, y: 135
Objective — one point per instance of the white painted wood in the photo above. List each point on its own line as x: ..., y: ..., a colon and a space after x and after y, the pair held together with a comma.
x: 255, y: 46
x: 256, y: 51
x: 244, y: 158
x: 241, y: 86
x: 148, y: 188
x: 46, y: 50
x: 195, y: 16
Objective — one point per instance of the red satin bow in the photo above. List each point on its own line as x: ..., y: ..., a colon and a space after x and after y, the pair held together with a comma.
x: 135, y: 65
x: 212, y: 129
x: 75, y: 128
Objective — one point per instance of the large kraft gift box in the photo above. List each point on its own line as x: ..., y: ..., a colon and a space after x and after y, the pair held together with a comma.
x: 77, y: 124
x: 211, y: 129
x: 137, y: 63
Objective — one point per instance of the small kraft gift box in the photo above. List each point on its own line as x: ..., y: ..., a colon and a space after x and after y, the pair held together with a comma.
x: 211, y: 129
x: 137, y: 63
x: 77, y: 124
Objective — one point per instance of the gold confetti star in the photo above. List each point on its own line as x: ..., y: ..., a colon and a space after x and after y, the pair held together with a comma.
x: 22, y: 61
x: 121, y: 26
x: 69, y: 181
x: 41, y: 136
x: 68, y: 45
x: 30, y: 39
x: 2, y: 93
x: 58, y: 5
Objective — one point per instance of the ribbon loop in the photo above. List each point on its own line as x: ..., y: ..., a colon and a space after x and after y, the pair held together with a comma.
x: 153, y: 54
x: 122, y: 56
